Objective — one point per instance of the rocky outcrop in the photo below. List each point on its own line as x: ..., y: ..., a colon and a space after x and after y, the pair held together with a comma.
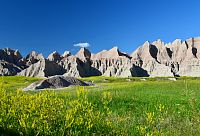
x: 10, y: 56
x: 113, y: 53
x: 10, y: 61
x: 8, y: 69
x: 83, y: 54
x: 75, y: 67
x: 43, y: 68
x: 66, y: 54
x: 112, y: 63
x: 153, y: 58
x: 55, y: 56
x: 113, y: 67
x: 32, y: 58
x: 55, y: 82
x: 179, y: 58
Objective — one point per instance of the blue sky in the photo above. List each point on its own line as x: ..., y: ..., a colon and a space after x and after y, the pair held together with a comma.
x: 49, y: 25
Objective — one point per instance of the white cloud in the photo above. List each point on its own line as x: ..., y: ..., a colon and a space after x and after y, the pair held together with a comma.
x: 82, y: 45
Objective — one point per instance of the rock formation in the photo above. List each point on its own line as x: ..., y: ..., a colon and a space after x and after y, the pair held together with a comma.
x: 55, y: 56
x: 55, y: 82
x: 10, y: 61
x: 10, y: 56
x: 43, y: 68
x: 32, y: 58
x: 7, y: 69
x: 179, y: 58
x: 153, y: 58
x: 75, y: 67
x: 66, y: 54
x: 83, y: 54
x: 112, y: 63
x: 111, y: 54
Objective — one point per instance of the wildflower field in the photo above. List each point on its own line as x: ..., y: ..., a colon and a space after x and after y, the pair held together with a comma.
x: 113, y: 106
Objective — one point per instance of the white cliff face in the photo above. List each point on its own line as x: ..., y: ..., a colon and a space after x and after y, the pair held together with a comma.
x: 112, y: 63
x: 83, y: 54
x: 113, y: 67
x: 153, y: 58
x: 179, y: 58
x: 32, y: 58
x: 66, y: 54
x: 7, y: 69
x: 75, y: 67
x: 42, y: 68
x: 55, y: 56
x: 10, y: 56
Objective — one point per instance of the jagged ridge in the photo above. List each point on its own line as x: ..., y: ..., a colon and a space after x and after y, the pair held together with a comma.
x: 179, y: 58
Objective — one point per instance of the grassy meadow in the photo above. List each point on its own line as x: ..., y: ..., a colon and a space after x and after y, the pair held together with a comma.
x: 113, y: 106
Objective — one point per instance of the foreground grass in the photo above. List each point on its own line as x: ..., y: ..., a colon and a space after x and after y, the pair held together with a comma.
x: 114, y: 106
x: 12, y: 83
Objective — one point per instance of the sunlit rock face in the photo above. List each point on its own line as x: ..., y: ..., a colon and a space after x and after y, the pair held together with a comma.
x: 10, y: 61
x: 42, y: 68
x: 154, y: 59
x: 113, y: 63
x: 54, y: 56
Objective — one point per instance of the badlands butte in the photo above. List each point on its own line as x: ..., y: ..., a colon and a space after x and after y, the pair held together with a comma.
x: 179, y: 58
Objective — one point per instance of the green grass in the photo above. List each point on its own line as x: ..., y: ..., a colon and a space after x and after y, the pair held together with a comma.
x: 156, y: 106
x: 16, y: 82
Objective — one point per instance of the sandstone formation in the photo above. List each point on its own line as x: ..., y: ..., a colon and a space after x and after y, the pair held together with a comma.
x: 10, y: 61
x: 112, y: 54
x: 112, y: 63
x: 32, y: 58
x: 43, y: 68
x: 83, y: 54
x: 7, y: 69
x: 75, y: 67
x: 179, y: 58
x: 10, y: 56
x: 55, y: 82
x: 153, y: 59
x: 66, y: 54
x: 55, y: 56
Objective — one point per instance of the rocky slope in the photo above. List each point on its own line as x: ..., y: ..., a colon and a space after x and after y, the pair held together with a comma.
x: 179, y: 58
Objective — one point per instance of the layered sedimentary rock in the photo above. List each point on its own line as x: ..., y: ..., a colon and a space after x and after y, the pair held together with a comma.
x: 112, y: 54
x: 32, y: 58
x: 10, y: 61
x: 43, y: 68
x: 179, y: 58
x: 83, y: 54
x: 7, y: 69
x: 153, y: 58
x: 55, y: 56
x: 190, y: 66
x: 75, y: 67
x: 66, y: 54
x: 10, y: 56
x: 112, y: 63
